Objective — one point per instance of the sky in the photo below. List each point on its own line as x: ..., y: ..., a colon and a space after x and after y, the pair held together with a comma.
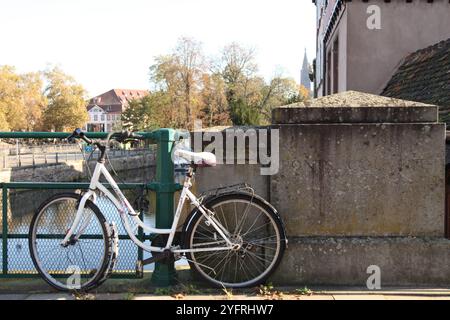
x: 106, y: 44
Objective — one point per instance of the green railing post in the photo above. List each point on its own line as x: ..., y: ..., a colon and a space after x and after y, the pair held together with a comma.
x: 5, y: 229
x: 164, y: 187
x: 164, y: 274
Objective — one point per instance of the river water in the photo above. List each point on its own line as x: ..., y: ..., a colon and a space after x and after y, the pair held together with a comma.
x: 24, y: 203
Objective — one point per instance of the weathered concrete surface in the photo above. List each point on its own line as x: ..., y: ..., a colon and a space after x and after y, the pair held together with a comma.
x: 356, y: 99
x: 361, y: 180
x: 72, y: 170
x: 225, y: 175
x: 344, y: 261
x: 208, y: 179
x: 289, y: 115
x: 355, y: 107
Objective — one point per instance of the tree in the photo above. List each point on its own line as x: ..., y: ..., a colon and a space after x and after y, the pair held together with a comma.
x: 21, y: 100
x: 147, y: 113
x: 190, y: 60
x: 236, y: 64
x: 165, y: 79
x: 34, y: 100
x: 238, y: 69
x: 280, y: 91
x: 179, y: 75
x: 243, y: 114
x: 12, y: 113
x: 66, y: 108
x: 214, y: 101
x: 229, y: 91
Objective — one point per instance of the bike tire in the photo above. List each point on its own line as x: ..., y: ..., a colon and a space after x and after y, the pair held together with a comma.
x: 196, y: 217
x: 66, y: 200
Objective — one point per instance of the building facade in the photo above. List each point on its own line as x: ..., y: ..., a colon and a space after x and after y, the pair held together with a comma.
x: 361, y: 43
x: 105, y: 110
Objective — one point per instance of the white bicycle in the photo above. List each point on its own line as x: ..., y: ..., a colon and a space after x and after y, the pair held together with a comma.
x: 233, y: 239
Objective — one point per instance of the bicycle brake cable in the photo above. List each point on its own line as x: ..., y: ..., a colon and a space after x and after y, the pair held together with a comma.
x: 86, y: 161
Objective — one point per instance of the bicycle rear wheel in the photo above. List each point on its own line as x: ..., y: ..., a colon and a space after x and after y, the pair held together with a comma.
x: 253, y: 224
x: 81, y: 264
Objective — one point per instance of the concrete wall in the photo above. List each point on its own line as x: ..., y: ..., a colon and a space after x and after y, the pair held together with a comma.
x: 358, y: 187
x: 72, y: 170
x: 374, y: 55
x: 361, y: 180
x: 360, y: 193
x: 344, y: 261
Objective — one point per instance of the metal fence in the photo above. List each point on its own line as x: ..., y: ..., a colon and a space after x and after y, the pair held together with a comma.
x: 19, y: 203
x: 163, y: 186
x: 61, y: 156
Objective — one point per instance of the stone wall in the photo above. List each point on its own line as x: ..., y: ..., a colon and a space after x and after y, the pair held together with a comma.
x: 357, y: 186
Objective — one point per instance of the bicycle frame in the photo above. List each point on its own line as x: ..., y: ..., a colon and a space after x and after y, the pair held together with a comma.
x: 126, y: 211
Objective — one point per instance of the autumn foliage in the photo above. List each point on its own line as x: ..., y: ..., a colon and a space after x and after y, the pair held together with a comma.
x: 225, y: 90
x: 40, y: 101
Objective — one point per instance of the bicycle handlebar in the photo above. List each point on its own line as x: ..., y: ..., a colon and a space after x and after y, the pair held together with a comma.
x: 121, y: 137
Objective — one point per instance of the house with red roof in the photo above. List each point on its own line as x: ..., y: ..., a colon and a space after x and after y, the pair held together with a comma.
x: 105, y: 110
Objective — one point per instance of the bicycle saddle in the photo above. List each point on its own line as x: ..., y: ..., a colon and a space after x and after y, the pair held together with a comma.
x: 201, y: 159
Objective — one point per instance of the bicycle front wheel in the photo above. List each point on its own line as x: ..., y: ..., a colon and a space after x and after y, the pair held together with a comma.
x: 81, y: 264
x: 251, y: 223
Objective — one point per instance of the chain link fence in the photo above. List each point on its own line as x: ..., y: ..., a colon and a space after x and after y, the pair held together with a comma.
x: 19, y: 203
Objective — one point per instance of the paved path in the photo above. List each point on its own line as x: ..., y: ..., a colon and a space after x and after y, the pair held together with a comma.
x: 332, y: 294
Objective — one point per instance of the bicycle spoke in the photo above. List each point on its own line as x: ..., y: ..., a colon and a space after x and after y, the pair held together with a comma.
x: 248, y: 232
x: 86, y: 255
x: 256, y: 237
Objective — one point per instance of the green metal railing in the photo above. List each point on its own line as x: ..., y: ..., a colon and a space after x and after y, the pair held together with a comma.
x: 23, y: 267
x: 164, y: 187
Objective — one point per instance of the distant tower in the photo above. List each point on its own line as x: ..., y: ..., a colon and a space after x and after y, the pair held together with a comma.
x: 304, y: 77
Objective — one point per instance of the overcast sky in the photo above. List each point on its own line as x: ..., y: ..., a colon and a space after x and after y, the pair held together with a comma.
x: 109, y: 44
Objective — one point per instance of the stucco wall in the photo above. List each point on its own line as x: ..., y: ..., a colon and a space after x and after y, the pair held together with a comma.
x: 374, y: 55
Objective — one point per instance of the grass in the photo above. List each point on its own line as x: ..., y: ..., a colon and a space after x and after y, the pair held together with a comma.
x: 268, y: 291
x: 304, y: 292
x: 228, y: 293
x: 129, y: 296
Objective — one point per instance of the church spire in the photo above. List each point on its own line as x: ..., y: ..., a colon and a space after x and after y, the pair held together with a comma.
x: 304, y: 76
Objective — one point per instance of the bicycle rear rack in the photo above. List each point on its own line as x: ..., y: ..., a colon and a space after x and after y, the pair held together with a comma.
x: 240, y: 187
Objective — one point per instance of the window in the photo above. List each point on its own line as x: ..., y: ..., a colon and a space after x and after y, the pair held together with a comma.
x: 95, y: 117
x: 103, y: 117
x: 108, y: 117
x: 328, y: 80
x: 336, y: 66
